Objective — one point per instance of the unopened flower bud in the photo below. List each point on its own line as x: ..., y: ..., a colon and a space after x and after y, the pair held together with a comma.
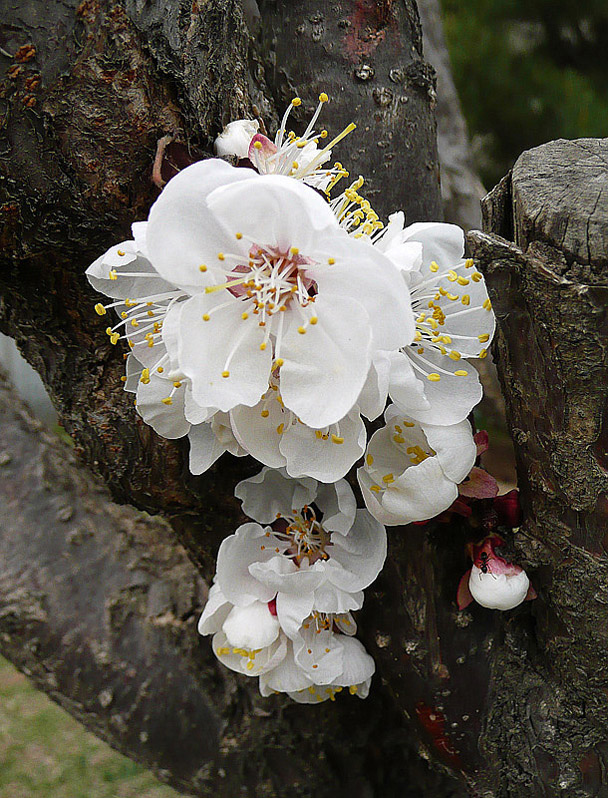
x: 236, y: 137
x: 251, y: 627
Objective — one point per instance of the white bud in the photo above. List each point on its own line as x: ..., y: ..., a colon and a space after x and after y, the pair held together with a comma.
x: 251, y: 627
x: 499, y: 591
x: 236, y: 137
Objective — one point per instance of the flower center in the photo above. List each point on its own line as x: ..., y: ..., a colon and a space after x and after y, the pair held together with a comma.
x: 305, y: 535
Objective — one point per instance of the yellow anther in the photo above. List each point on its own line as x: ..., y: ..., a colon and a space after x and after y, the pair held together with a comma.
x: 331, y: 261
x: 483, y: 338
x: 134, y: 323
x: 476, y: 277
x: 221, y: 256
x: 295, y: 165
x: 99, y: 309
x: 353, y: 689
x: 433, y: 377
x: 296, y: 102
x: 225, y: 374
x: 468, y: 263
x: 145, y: 376
x: 369, y: 459
x: 388, y: 478
x: 115, y: 337
x: 129, y: 303
x: 466, y: 299
x: 244, y: 315
x: 301, y: 330
x: 177, y: 384
x: 202, y: 268
x: 257, y: 145
x: 323, y: 134
x: 206, y: 317
x: 487, y: 304
x: 124, y: 314
x: 113, y: 275
x: 408, y: 423
x: 278, y: 363
x: 461, y: 373
x: 263, y: 345
x: 313, y: 319
x: 160, y: 369
x: 398, y: 439
x: 265, y: 413
x: 463, y: 281
x: 123, y: 378
x: 337, y: 439
x: 238, y: 236
x: 167, y: 401
x: 452, y: 276
x: 294, y: 251
x: 318, y: 434
x: 280, y: 428
x: 454, y: 355
x: 323, y: 98
x: 483, y: 353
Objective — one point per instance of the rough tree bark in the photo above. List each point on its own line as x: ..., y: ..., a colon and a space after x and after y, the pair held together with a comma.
x: 545, y: 258
x: 88, y: 89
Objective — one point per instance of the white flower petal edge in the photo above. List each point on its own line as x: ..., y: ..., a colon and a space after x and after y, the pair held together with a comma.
x: 411, y: 470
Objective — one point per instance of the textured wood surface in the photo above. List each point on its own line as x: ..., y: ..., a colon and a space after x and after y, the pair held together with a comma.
x: 546, y: 731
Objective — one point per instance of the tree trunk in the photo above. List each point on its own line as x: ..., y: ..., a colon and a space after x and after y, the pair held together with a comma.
x: 545, y: 257
x: 88, y: 91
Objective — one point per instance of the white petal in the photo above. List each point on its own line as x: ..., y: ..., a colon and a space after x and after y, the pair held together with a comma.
x: 363, y: 273
x: 205, y: 448
x: 331, y: 599
x: 183, y: 233
x: 260, y: 434
x: 280, y: 574
x: 455, y: 447
x: 285, y: 677
x: 420, y: 493
x: 235, y: 137
x: 325, y: 369
x: 311, y: 453
x: 167, y: 420
x: 338, y: 504
x: 498, y: 592
x: 449, y: 399
x: 406, y: 390
x: 361, y: 554
x: 372, y: 399
x: 319, y: 655
x: 292, y: 610
x: 226, y: 344
x: 275, y: 211
x: 271, y: 492
x: 251, y: 627
x: 125, y: 257
x: 215, y: 612
x: 442, y: 243
x: 237, y: 552
x: 249, y: 662
x: 358, y: 666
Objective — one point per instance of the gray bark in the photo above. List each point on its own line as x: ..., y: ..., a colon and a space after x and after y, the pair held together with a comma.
x: 545, y: 257
x: 461, y: 188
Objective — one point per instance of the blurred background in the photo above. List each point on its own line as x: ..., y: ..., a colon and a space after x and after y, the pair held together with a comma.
x: 525, y: 71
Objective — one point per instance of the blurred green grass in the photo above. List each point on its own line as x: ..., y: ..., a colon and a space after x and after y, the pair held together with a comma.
x: 44, y: 752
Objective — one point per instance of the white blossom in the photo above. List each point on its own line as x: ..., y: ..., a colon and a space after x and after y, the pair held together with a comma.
x: 236, y: 137
x: 411, y: 470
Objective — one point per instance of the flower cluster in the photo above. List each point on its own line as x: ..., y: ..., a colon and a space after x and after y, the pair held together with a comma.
x: 269, y: 313
x: 280, y: 606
